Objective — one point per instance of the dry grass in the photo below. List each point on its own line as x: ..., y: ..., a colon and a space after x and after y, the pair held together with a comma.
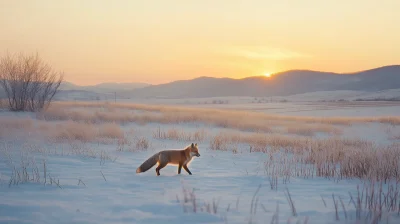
x: 142, y: 143
x: 59, y: 131
x: 311, y: 129
x: 3, y: 104
x: 27, y: 170
x: 75, y: 131
x: 11, y: 122
x: 371, y: 204
x: 239, y: 120
x: 11, y: 126
x: 110, y: 130
x: 70, y: 130
x: 393, y: 132
x: 133, y: 144
x: 333, y: 157
x: 180, y: 135
x: 201, y: 112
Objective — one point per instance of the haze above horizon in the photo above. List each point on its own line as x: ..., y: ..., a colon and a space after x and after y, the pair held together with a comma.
x: 162, y: 41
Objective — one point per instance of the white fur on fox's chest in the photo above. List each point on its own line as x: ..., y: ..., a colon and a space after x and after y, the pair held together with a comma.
x: 187, y: 161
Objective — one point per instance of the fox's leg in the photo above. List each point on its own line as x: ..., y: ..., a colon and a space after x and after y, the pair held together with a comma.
x: 160, y: 166
x: 187, y: 169
x: 179, y: 168
x: 162, y: 162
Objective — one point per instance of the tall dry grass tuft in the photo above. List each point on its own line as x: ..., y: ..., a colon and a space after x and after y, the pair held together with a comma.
x: 71, y: 130
x: 27, y: 169
x: 11, y: 122
x: 142, y: 143
x: 110, y: 130
x: 180, y: 135
x: 60, y: 131
x: 11, y: 126
x: 224, y: 141
x: 333, y: 157
x: 392, y: 120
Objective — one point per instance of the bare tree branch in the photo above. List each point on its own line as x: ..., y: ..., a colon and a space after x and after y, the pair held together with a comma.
x: 29, y: 83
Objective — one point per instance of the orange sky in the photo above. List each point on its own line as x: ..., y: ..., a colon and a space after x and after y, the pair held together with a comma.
x: 160, y: 41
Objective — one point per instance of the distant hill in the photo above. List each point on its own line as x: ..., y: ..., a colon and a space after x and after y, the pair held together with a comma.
x: 103, y: 87
x: 102, y: 91
x: 280, y: 84
x: 293, y: 82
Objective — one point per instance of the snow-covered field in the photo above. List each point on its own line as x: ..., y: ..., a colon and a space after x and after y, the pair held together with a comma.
x: 76, y: 164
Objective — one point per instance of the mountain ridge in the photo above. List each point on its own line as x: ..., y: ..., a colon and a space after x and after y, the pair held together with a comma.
x: 279, y: 84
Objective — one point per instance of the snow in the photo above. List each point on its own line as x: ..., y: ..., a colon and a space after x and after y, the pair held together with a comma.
x: 122, y: 196
x: 126, y: 197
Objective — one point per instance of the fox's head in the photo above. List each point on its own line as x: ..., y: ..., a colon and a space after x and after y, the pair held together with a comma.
x: 194, y: 151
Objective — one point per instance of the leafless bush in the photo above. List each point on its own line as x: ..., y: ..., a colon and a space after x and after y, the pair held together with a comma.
x: 29, y: 83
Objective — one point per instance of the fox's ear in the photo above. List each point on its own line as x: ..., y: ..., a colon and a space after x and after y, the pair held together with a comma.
x: 195, y: 144
x: 192, y: 145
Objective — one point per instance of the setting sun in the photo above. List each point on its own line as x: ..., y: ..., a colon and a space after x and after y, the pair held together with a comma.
x: 267, y: 74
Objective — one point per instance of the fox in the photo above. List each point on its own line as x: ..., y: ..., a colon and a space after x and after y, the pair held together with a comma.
x: 175, y: 157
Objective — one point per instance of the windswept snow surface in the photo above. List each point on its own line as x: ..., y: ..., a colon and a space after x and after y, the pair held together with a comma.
x: 122, y: 196
x: 224, y: 185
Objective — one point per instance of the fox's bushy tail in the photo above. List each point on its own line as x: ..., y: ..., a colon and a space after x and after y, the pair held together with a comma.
x: 149, y: 163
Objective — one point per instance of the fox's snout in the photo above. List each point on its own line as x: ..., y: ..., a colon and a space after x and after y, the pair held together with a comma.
x: 198, y: 154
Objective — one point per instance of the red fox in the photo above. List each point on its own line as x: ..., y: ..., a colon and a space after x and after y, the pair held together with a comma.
x: 176, y: 157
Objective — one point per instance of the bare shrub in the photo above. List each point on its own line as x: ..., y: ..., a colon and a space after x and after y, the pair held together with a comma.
x: 29, y: 83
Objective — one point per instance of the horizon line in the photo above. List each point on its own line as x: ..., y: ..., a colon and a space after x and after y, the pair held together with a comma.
x: 255, y: 76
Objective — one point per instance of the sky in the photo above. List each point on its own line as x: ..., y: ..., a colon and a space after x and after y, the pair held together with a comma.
x: 158, y: 41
